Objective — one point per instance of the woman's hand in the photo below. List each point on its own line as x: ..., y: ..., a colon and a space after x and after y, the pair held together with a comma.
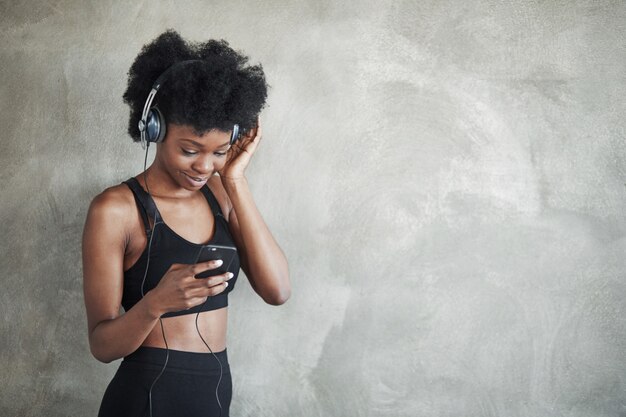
x: 240, y: 153
x: 180, y: 290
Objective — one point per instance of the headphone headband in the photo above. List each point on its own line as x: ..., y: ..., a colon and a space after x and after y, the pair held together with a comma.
x: 152, y: 124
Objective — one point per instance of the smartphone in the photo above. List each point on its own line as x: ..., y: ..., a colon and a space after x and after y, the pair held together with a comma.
x: 213, y: 252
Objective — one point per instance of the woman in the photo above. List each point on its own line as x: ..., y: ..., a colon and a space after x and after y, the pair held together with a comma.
x: 143, y: 239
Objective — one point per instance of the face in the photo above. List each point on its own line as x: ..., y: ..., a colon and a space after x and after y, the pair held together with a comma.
x: 189, y: 159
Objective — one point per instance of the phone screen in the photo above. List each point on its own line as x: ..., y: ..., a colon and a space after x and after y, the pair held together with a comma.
x: 214, y: 252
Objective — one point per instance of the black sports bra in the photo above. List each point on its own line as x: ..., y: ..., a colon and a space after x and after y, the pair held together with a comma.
x: 168, y: 248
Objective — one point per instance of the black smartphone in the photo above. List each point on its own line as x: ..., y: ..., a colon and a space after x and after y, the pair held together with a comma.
x: 212, y: 253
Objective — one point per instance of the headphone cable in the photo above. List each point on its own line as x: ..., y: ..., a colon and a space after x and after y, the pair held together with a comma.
x: 219, y: 381
x: 167, y: 353
x: 145, y: 274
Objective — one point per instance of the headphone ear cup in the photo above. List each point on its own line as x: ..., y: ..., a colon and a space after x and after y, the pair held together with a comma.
x: 155, y: 126
x: 235, y: 135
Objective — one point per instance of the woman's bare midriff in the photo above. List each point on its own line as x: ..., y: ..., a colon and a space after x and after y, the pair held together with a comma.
x: 181, y: 333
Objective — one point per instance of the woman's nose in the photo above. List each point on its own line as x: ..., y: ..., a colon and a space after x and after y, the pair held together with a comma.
x: 203, y: 165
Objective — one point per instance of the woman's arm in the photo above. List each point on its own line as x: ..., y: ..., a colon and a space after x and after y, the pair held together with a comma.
x: 262, y: 259
x: 111, y: 336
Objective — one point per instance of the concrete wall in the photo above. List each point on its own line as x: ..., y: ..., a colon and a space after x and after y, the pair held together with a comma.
x: 447, y: 179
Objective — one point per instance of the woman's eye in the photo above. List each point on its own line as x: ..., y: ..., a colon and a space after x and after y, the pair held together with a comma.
x: 192, y: 153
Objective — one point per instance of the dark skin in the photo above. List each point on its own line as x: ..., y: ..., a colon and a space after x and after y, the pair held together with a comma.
x: 114, y: 238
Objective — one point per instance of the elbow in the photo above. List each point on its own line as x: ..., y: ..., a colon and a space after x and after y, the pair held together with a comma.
x: 278, y: 296
x: 274, y: 289
x: 103, y: 359
x: 100, y: 356
x: 277, y: 300
x: 98, y: 350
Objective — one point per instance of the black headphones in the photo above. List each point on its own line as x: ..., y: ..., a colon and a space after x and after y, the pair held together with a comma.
x: 152, y: 125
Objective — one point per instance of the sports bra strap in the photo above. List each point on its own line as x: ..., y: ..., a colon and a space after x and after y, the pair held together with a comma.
x: 146, y: 204
x: 215, y: 206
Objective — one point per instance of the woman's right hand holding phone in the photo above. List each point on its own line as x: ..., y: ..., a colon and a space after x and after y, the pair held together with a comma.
x: 180, y: 290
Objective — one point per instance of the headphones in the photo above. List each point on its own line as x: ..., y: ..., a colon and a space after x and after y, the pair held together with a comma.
x: 152, y: 125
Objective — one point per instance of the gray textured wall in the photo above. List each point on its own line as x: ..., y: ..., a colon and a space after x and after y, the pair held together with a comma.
x: 447, y: 180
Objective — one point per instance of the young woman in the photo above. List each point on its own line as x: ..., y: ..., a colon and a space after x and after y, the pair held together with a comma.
x: 146, y: 240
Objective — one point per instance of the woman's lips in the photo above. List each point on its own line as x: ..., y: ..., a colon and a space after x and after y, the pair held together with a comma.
x: 196, y: 181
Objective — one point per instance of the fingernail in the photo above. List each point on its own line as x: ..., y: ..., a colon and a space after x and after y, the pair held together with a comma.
x: 225, y: 284
x: 218, y: 262
x: 230, y: 275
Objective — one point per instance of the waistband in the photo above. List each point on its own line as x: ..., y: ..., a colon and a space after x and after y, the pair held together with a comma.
x: 198, y: 363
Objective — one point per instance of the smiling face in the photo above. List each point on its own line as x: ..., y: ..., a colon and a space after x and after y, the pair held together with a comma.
x: 188, y: 159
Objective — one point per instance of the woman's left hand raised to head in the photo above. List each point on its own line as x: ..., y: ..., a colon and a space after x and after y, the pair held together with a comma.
x: 240, y: 153
x: 262, y: 259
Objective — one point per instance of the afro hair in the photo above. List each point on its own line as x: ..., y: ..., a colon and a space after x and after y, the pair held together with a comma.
x: 214, y: 93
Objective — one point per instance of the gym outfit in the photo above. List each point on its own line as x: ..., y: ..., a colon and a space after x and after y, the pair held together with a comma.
x: 187, y: 386
x: 185, y: 389
x: 168, y: 248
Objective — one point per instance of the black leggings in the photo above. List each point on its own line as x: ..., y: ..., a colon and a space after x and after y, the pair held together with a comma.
x: 186, y: 387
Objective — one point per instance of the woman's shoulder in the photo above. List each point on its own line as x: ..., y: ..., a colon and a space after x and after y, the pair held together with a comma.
x: 115, y: 202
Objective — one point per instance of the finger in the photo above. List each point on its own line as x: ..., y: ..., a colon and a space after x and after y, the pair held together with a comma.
x: 175, y: 267
x: 218, y: 279
x: 250, y: 144
x: 243, y: 153
x: 200, y: 267
x: 252, y: 132
x: 217, y: 289
x: 255, y: 132
x: 209, y: 291
x: 232, y: 152
x: 259, y: 130
x: 254, y: 135
x: 200, y: 285
x: 195, y: 301
x: 239, y: 147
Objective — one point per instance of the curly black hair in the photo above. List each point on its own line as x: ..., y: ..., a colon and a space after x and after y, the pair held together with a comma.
x: 214, y: 93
